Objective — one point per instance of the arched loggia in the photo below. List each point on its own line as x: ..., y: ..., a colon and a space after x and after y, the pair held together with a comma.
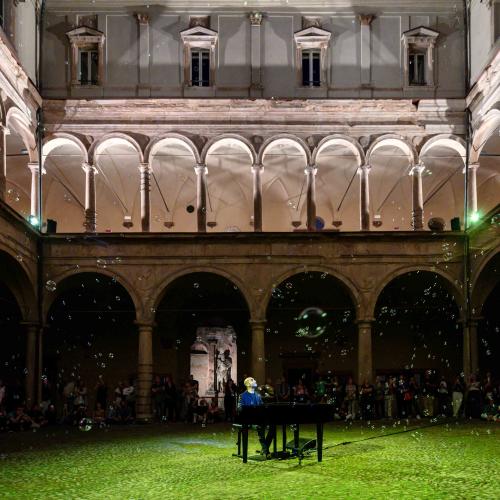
x: 310, y: 327
x: 90, y: 332
x: 417, y: 327
x: 200, y: 309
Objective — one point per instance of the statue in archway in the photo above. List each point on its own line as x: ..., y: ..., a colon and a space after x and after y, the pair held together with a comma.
x: 224, y: 365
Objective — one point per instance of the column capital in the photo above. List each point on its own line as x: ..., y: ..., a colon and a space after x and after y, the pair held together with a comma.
x: 255, y: 18
x: 258, y: 323
x: 417, y: 169
x: 365, y: 322
x: 142, y: 18
x: 311, y: 169
x: 366, y: 19
x: 87, y: 167
x: 201, y: 168
x: 30, y: 324
x: 472, y: 167
x: 257, y: 166
x: 364, y: 168
x: 144, y: 167
x: 145, y: 325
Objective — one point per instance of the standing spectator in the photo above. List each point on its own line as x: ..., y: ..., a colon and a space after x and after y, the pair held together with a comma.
x: 428, y: 393
x: 351, y: 392
x: 119, y: 393
x: 158, y: 393
x: 99, y: 415
x: 300, y: 392
x: 129, y: 396
x: 379, y: 398
x: 443, y: 402
x: 366, y: 400
x: 230, y: 391
x: 46, y: 394
x: 389, y: 392
x: 81, y: 394
x: 473, y: 402
x: 320, y: 389
x: 457, y: 396
x: 101, y: 396
x: 69, y: 397
x: 401, y: 390
x: 282, y: 390
x: 170, y: 398
x: 2, y: 392
x: 414, y: 407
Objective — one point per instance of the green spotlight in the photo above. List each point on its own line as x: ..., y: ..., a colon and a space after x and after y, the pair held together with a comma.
x: 33, y: 220
x: 474, y: 217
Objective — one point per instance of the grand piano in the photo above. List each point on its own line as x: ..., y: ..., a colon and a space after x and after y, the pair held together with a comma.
x: 283, y: 414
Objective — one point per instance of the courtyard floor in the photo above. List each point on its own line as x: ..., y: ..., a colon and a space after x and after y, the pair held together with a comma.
x: 447, y: 459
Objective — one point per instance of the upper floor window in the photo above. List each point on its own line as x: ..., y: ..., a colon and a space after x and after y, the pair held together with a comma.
x: 311, y: 46
x: 88, y: 67
x: 87, y: 56
x: 199, y: 53
x: 200, y: 68
x: 418, y: 66
x: 311, y: 68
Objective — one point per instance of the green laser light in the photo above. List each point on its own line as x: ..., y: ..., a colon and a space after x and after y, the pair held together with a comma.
x: 474, y: 217
x: 33, y: 220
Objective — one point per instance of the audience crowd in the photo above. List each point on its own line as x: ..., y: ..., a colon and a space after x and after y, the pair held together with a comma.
x: 389, y: 397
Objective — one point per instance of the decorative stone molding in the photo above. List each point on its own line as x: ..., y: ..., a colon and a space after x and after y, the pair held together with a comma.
x: 86, y: 38
x: 201, y: 21
x: 422, y: 39
x: 198, y: 37
x: 311, y: 22
x: 366, y: 19
x: 255, y: 18
x: 142, y: 18
x: 311, y: 38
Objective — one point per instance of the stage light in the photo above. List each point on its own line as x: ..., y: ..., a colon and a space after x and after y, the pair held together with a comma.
x: 33, y: 220
x: 474, y: 217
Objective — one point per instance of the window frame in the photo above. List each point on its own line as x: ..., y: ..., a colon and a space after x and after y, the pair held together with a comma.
x: 88, y: 81
x: 310, y: 54
x: 312, y: 39
x: 202, y: 54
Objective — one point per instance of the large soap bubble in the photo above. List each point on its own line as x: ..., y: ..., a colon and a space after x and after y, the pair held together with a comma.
x: 311, y: 323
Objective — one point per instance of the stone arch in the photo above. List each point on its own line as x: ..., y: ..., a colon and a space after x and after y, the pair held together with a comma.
x: 343, y: 140
x: 16, y: 120
x: 60, y: 138
x: 230, y: 276
x: 450, y: 141
x: 16, y: 277
x: 113, y: 138
x: 64, y: 280
x: 484, y: 131
x: 244, y: 143
x: 395, y: 141
x: 401, y: 271
x: 171, y: 138
x: 352, y: 290
x: 283, y: 139
x: 483, y: 283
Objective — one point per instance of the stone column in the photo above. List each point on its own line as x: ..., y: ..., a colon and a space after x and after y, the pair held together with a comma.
x: 31, y: 355
x: 3, y: 163
x: 34, y: 168
x: 143, y: 89
x: 255, y: 53
x: 310, y: 172
x: 144, y: 371
x: 258, y: 364
x: 364, y: 197
x: 473, y: 188
x: 145, y: 171
x: 365, y: 365
x: 90, y: 223
x: 365, y: 22
x: 417, y: 214
x: 470, y: 347
x: 201, y: 197
x: 257, y: 197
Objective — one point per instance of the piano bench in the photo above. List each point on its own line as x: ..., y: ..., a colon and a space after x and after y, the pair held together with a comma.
x: 238, y: 442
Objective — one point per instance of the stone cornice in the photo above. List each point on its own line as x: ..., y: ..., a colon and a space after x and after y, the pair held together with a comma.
x: 203, y: 5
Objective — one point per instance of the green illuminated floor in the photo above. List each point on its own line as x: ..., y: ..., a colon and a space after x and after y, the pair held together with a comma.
x: 157, y: 462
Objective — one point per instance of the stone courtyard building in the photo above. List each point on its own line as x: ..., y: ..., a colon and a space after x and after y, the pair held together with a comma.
x: 250, y: 143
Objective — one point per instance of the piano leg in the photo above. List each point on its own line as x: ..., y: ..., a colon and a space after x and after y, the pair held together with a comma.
x: 296, y: 431
x: 319, y: 441
x: 244, y: 432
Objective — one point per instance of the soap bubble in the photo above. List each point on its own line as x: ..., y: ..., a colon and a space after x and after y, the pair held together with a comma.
x: 85, y: 424
x: 51, y: 286
x: 311, y: 323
